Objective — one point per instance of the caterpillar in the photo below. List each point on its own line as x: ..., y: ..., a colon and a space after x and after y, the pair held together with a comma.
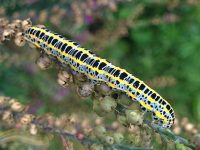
x: 100, y: 70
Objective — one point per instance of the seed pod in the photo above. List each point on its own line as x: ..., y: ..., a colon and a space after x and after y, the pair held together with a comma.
x: 96, y: 147
x: 7, y: 115
x: 103, y: 89
x: 122, y: 119
x: 62, y: 83
x: 100, y: 132
x: 108, y: 104
x: 64, y: 75
x: 97, y: 109
x: 26, y: 119
x: 2, y: 100
x: 133, y: 117
x: 17, y: 24
x: 7, y: 33
x: 85, y: 90
x: 26, y: 24
x: 118, y: 137
x: 33, y: 129
x: 19, y: 40
x: 11, y: 101
x: 64, y: 78
x: 16, y: 106
x: 109, y: 140
x: 43, y: 62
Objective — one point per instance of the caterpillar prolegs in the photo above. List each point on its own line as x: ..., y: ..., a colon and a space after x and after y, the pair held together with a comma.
x: 101, y: 70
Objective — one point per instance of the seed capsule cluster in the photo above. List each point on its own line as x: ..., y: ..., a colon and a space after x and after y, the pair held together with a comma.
x: 13, y: 30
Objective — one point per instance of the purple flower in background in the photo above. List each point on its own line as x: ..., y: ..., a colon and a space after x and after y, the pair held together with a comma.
x: 60, y: 94
x: 35, y: 106
x: 83, y: 37
x: 89, y: 19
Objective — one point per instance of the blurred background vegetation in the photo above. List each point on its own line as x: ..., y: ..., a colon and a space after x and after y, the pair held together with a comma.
x: 156, y: 40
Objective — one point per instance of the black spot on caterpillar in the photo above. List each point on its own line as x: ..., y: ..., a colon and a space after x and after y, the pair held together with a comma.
x: 101, y: 70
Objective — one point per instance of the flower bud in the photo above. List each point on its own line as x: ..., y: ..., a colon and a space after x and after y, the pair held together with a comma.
x: 62, y: 83
x: 122, y: 119
x: 133, y: 117
x: 118, y: 137
x: 64, y: 75
x: 99, y: 130
x: 108, y: 104
x: 7, y: 33
x: 16, y: 106
x: 64, y: 78
x: 97, y: 109
x: 109, y: 140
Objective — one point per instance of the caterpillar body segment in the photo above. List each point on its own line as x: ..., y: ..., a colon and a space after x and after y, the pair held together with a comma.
x: 100, y: 70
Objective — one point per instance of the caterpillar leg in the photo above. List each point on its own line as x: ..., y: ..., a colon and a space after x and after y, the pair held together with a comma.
x: 154, y: 117
x: 95, y: 82
x: 143, y: 108
x: 159, y: 121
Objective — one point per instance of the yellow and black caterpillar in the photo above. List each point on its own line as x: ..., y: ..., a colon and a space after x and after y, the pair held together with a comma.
x: 100, y: 70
